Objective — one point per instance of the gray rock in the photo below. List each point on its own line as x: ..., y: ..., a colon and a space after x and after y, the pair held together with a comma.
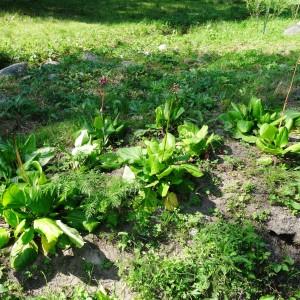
x: 52, y: 76
x: 93, y: 256
x: 127, y: 63
x: 293, y: 30
x: 17, y: 69
x: 88, y: 56
x: 51, y: 63
x: 283, y: 223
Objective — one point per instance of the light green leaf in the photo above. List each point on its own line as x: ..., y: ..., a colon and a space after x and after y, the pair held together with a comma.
x: 4, y: 237
x: 293, y: 149
x: 13, y: 197
x: 131, y: 154
x: 244, y: 126
x: 72, y: 233
x: 164, y: 189
x: 23, y: 253
x: 268, y: 132
x: 171, y: 201
x: 193, y: 170
x: 282, y: 138
x: 20, y: 228
x: 48, y: 228
x: 12, y: 218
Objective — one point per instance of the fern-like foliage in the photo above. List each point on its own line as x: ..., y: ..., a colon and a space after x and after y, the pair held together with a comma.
x: 100, y: 196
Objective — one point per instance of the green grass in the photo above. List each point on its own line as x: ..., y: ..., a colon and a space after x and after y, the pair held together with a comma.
x: 215, y: 52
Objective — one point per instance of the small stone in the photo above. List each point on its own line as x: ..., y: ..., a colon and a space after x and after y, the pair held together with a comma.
x: 193, y: 232
x: 127, y: 63
x: 52, y: 76
x: 51, y: 62
x: 293, y: 30
x: 88, y: 56
x: 17, y: 69
x: 162, y: 47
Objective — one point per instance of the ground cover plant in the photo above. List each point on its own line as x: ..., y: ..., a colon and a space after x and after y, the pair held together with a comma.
x: 116, y: 171
x: 217, y: 267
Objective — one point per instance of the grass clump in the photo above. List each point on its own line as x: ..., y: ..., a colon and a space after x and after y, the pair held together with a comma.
x: 224, y: 261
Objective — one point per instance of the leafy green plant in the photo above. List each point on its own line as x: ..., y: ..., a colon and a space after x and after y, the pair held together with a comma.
x: 92, y: 140
x: 244, y: 121
x: 168, y: 114
x: 210, y: 268
x: 255, y: 125
x: 32, y: 211
x: 15, y: 153
x: 160, y: 167
x: 195, y: 141
x: 275, y: 140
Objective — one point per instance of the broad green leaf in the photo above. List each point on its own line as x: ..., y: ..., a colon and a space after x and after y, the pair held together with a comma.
x: 282, y: 138
x: 187, y: 130
x: 171, y: 201
x: 166, y: 147
x: 98, y: 122
x: 13, y: 197
x: 77, y: 219
x: 48, y: 228
x: 72, y: 233
x: 293, y: 149
x: 247, y: 138
x: 295, y: 205
x: 46, y: 246
x: 168, y: 109
x: 244, y: 126
x: 166, y: 172
x: 20, y: 228
x: 268, y: 132
x: 159, y: 117
x: 44, y: 155
x: 39, y: 198
x: 179, y: 113
x: 4, y: 237
x: 12, y: 218
x: 30, y: 145
x: 193, y: 170
x: 110, y: 161
x: 164, y: 189
x: 27, y: 236
x: 265, y: 147
x: 130, y: 155
x: 23, y: 254
x: 256, y: 108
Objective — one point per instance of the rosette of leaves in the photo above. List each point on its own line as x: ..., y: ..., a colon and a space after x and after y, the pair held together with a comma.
x: 244, y: 121
x: 14, y: 153
x: 168, y: 114
x: 195, y: 141
x: 161, y: 168
x: 32, y: 213
x: 91, y: 140
x: 275, y: 140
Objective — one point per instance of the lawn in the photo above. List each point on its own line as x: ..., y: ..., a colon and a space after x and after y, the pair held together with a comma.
x: 162, y: 212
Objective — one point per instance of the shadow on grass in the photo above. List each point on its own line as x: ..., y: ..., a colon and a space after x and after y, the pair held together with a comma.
x: 68, y: 91
x: 177, y: 13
